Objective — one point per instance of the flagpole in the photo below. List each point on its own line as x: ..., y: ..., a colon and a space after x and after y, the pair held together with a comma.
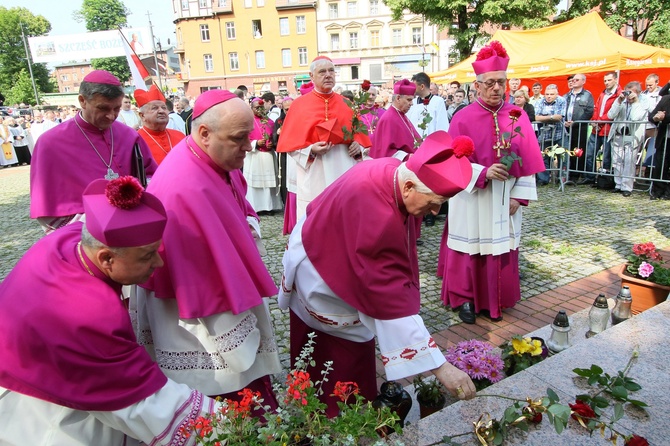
x: 30, y: 65
x: 153, y: 45
x: 134, y: 53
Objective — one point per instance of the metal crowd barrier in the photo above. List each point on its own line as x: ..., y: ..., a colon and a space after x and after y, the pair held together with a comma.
x: 596, y: 159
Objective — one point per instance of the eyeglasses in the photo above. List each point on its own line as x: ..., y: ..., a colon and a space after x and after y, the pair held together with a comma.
x: 491, y: 82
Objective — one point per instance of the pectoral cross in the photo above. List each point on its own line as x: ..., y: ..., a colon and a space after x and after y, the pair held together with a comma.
x: 111, y: 175
x: 498, y: 147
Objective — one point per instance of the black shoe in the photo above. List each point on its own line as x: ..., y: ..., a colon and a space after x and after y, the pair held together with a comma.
x: 467, y: 313
x: 542, y: 183
x: 654, y: 197
x: 429, y: 220
x: 615, y: 191
x: 584, y: 181
x: 419, y: 242
x: 626, y: 193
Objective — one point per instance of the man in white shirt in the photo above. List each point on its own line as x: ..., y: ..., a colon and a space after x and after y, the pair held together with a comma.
x: 129, y: 117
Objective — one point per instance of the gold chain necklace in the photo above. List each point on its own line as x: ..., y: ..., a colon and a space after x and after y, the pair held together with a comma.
x: 157, y: 143
x: 324, y: 98
x: 192, y: 151
x: 499, y: 144
x: 111, y: 175
x: 406, y: 126
x: 83, y: 262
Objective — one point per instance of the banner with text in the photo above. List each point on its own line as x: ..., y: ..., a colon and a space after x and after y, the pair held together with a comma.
x: 76, y: 47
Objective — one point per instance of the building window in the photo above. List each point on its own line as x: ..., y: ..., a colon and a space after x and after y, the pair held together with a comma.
x: 209, y: 63
x: 223, y: 3
x: 74, y: 77
x: 374, y: 38
x: 352, y: 9
x: 260, y: 3
x: 417, y: 36
x: 374, y: 7
x: 64, y: 77
x: 334, y: 42
x: 66, y: 89
x: 332, y: 10
x: 286, y: 57
x: 283, y: 26
x: 230, y: 30
x: 354, y: 72
x: 184, y: 5
x: 256, y: 29
x: 234, y: 61
x: 353, y: 40
x: 302, y: 55
x: 204, y: 33
x: 396, y: 38
x: 300, y: 24
x: 260, y: 59
x: 203, y: 3
x: 248, y: 3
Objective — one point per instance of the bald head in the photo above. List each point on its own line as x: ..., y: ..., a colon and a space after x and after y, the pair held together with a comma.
x: 227, y: 144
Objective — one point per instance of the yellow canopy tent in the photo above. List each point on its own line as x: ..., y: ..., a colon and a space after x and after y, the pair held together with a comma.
x: 582, y: 45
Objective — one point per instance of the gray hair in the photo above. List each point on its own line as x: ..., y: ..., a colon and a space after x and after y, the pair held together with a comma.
x: 404, y: 175
x: 315, y: 63
x: 185, y: 101
x: 91, y: 242
x: 634, y: 85
x: 89, y: 89
x: 551, y: 87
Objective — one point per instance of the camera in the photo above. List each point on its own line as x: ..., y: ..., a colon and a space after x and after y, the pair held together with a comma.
x: 625, y: 93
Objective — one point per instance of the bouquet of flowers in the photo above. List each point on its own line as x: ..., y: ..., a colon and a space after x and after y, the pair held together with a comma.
x: 647, y: 263
x: 521, y: 353
x: 300, y: 419
x: 358, y: 109
x: 478, y: 360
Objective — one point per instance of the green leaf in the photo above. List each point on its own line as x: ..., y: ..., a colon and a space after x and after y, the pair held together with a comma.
x: 582, y: 372
x: 600, y: 401
x: 638, y: 403
x: 596, y: 369
x: 592, y: 380
x: 632, y: 386
x: 618, y: 412
x: 553, y: 397
x: 619, y: 392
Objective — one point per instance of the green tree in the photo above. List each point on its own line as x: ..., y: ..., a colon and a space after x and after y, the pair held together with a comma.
x: 12, y: 51
x: 104, y: 15
x: 466, y: 19
x: 21, y: 89
x: 646, y: 20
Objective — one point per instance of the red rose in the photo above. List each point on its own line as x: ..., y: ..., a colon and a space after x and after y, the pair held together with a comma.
x: 636, y: 440
x: 515, y: 113
x: 426, y: 100
x: 365, y: 86
x: 463, y: 146
x: 579, y: 152
x: 581, y: 410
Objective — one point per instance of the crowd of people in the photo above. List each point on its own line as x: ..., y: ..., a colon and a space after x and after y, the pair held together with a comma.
x: 148, y: 298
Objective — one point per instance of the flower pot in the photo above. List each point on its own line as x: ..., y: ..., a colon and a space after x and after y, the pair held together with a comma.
x: 645, y: 294
x: 426, y: 409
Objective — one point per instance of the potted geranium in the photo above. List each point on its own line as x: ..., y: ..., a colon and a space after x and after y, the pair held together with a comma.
x: 301, y: 417
x: 479, y: 360
x: 522, y: 352
x: 645, y: 275
x: 430, y: 394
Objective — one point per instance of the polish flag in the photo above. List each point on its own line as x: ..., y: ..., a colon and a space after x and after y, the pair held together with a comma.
x: 137, y: 69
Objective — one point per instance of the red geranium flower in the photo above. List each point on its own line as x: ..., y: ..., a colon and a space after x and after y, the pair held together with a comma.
x: 515, y: 113
x: 463, y: 146
x: 636, y: 440
x: 124, y: 192
x: 581, y: 410
x: 365, y: 86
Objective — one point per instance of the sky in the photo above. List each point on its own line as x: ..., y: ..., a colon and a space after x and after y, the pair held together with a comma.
x: 62, y: 23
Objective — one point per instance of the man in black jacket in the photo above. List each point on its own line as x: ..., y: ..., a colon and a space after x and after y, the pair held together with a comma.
x: 661, y: 166
x: 578, y: 108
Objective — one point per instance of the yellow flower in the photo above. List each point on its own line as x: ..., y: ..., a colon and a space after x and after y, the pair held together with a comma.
x: 536, y: 348
x: 520, y: 346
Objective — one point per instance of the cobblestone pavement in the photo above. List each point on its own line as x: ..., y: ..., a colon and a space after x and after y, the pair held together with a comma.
x: 566, y: 236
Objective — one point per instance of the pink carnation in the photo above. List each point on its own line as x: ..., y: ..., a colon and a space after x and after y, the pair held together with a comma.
x: 645, y: 270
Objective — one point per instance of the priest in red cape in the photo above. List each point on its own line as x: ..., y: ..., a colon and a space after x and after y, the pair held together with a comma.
x: 479, y: 254
x: 72, y: 372
x: 155, y: 118
x: 348, y: 280
x: 395, y: 135
x: 313, y: 135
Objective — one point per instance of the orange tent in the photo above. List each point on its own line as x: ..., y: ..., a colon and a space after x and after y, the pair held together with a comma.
x: 582, y: 45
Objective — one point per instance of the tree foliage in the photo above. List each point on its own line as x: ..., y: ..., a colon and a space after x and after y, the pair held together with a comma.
x: 646, y: 20
x: 466, y: 19
x: 21, y: 89
x: 12, y: 51
x: 104, y: 15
